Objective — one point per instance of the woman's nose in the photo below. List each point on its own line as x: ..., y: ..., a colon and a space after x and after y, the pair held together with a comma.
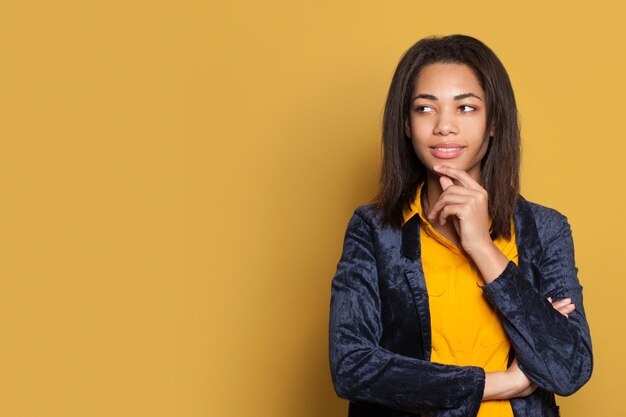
x: 445, y: 125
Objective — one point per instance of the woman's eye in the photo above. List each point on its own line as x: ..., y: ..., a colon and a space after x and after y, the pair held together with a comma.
x: 424, y: 109
x: 465, y: 108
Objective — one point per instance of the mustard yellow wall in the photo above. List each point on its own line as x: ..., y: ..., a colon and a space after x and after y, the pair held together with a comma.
x: 176, y: 178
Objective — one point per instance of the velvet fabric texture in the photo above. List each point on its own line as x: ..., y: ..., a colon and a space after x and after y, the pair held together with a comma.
x: 380, y: 337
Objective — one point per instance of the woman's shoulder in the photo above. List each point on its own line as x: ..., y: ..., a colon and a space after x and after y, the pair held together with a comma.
x: 372, y: 215
x: 365, y: 215
x: 367, y: 212
x: 540, y: 211
x: 368, y: 215
x: 548, y: 220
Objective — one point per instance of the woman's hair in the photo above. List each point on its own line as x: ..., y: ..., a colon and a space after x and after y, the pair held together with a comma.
x: 402, y: 171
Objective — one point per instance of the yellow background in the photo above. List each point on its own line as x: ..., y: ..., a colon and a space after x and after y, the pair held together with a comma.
x: 176, y: 178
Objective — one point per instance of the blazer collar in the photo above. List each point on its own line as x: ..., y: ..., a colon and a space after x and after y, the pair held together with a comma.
x: 411, y: 238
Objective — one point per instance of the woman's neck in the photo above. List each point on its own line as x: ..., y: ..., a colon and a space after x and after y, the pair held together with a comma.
x: 431, y: 192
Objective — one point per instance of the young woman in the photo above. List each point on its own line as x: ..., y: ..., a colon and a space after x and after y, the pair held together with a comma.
x: 454, y: 296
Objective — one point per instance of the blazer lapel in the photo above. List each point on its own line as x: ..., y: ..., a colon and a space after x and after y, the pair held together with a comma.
x: 414, y: 273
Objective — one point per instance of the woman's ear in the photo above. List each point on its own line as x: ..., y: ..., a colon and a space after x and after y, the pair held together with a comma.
x: 407, y: 129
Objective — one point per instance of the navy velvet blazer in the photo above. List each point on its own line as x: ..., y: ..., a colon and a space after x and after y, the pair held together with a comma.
x: 380, y: 340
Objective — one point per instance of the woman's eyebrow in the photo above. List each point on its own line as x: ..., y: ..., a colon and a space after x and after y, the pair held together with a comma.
x: 426, y: 96
x: 459, y: 97
x: 466, y: 95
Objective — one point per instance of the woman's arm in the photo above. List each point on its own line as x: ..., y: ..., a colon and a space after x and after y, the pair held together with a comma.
x: 554, y: 351
x: 513, y: 383
x: 362, y: 370
x: 507, y: 384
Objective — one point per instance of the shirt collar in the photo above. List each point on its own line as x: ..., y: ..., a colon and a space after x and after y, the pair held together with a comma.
x: 416, y: 207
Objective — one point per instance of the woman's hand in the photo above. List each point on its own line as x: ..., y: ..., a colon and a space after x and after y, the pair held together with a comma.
x: 468, y: 205
x: 525, y: 386
x: 564, y: 306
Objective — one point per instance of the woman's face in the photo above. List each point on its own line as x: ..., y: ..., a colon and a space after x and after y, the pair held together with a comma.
x: 447, y: 119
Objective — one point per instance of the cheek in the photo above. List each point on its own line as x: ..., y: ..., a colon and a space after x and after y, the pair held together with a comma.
x: 477, y: 128
x: 481, y: 150
x: 419, y: 132
x: 420, y: 149
x: 474, y: 127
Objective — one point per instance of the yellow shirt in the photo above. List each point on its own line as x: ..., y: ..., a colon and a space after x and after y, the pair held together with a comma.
x: 465, y: 328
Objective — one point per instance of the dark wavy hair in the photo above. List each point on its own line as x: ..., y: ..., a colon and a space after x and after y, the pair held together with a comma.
x: 402, y: 171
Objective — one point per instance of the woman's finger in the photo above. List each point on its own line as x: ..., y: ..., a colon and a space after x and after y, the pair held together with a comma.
x: 564, y: 306
x: 459, y: 189
x: 567, y: 307
x: 445, y: 182
x: 457, y: 210
x: 563, y: 301
x: 460, y: 175
x: 453, y: 194
x: 444, y: 200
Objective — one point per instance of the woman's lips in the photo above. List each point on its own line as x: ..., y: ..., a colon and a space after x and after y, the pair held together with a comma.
x: 447, y: 151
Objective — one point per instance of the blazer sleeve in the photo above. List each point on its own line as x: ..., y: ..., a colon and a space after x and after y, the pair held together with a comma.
x: 554, y: 351
x: 362, y: 370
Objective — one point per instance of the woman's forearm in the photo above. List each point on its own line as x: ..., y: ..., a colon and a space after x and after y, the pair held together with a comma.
x: 489, y: 260
x: 503, y: 385
x: 498, y: 386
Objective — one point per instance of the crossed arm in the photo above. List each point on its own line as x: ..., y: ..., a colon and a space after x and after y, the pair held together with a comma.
x: 513, y: 383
